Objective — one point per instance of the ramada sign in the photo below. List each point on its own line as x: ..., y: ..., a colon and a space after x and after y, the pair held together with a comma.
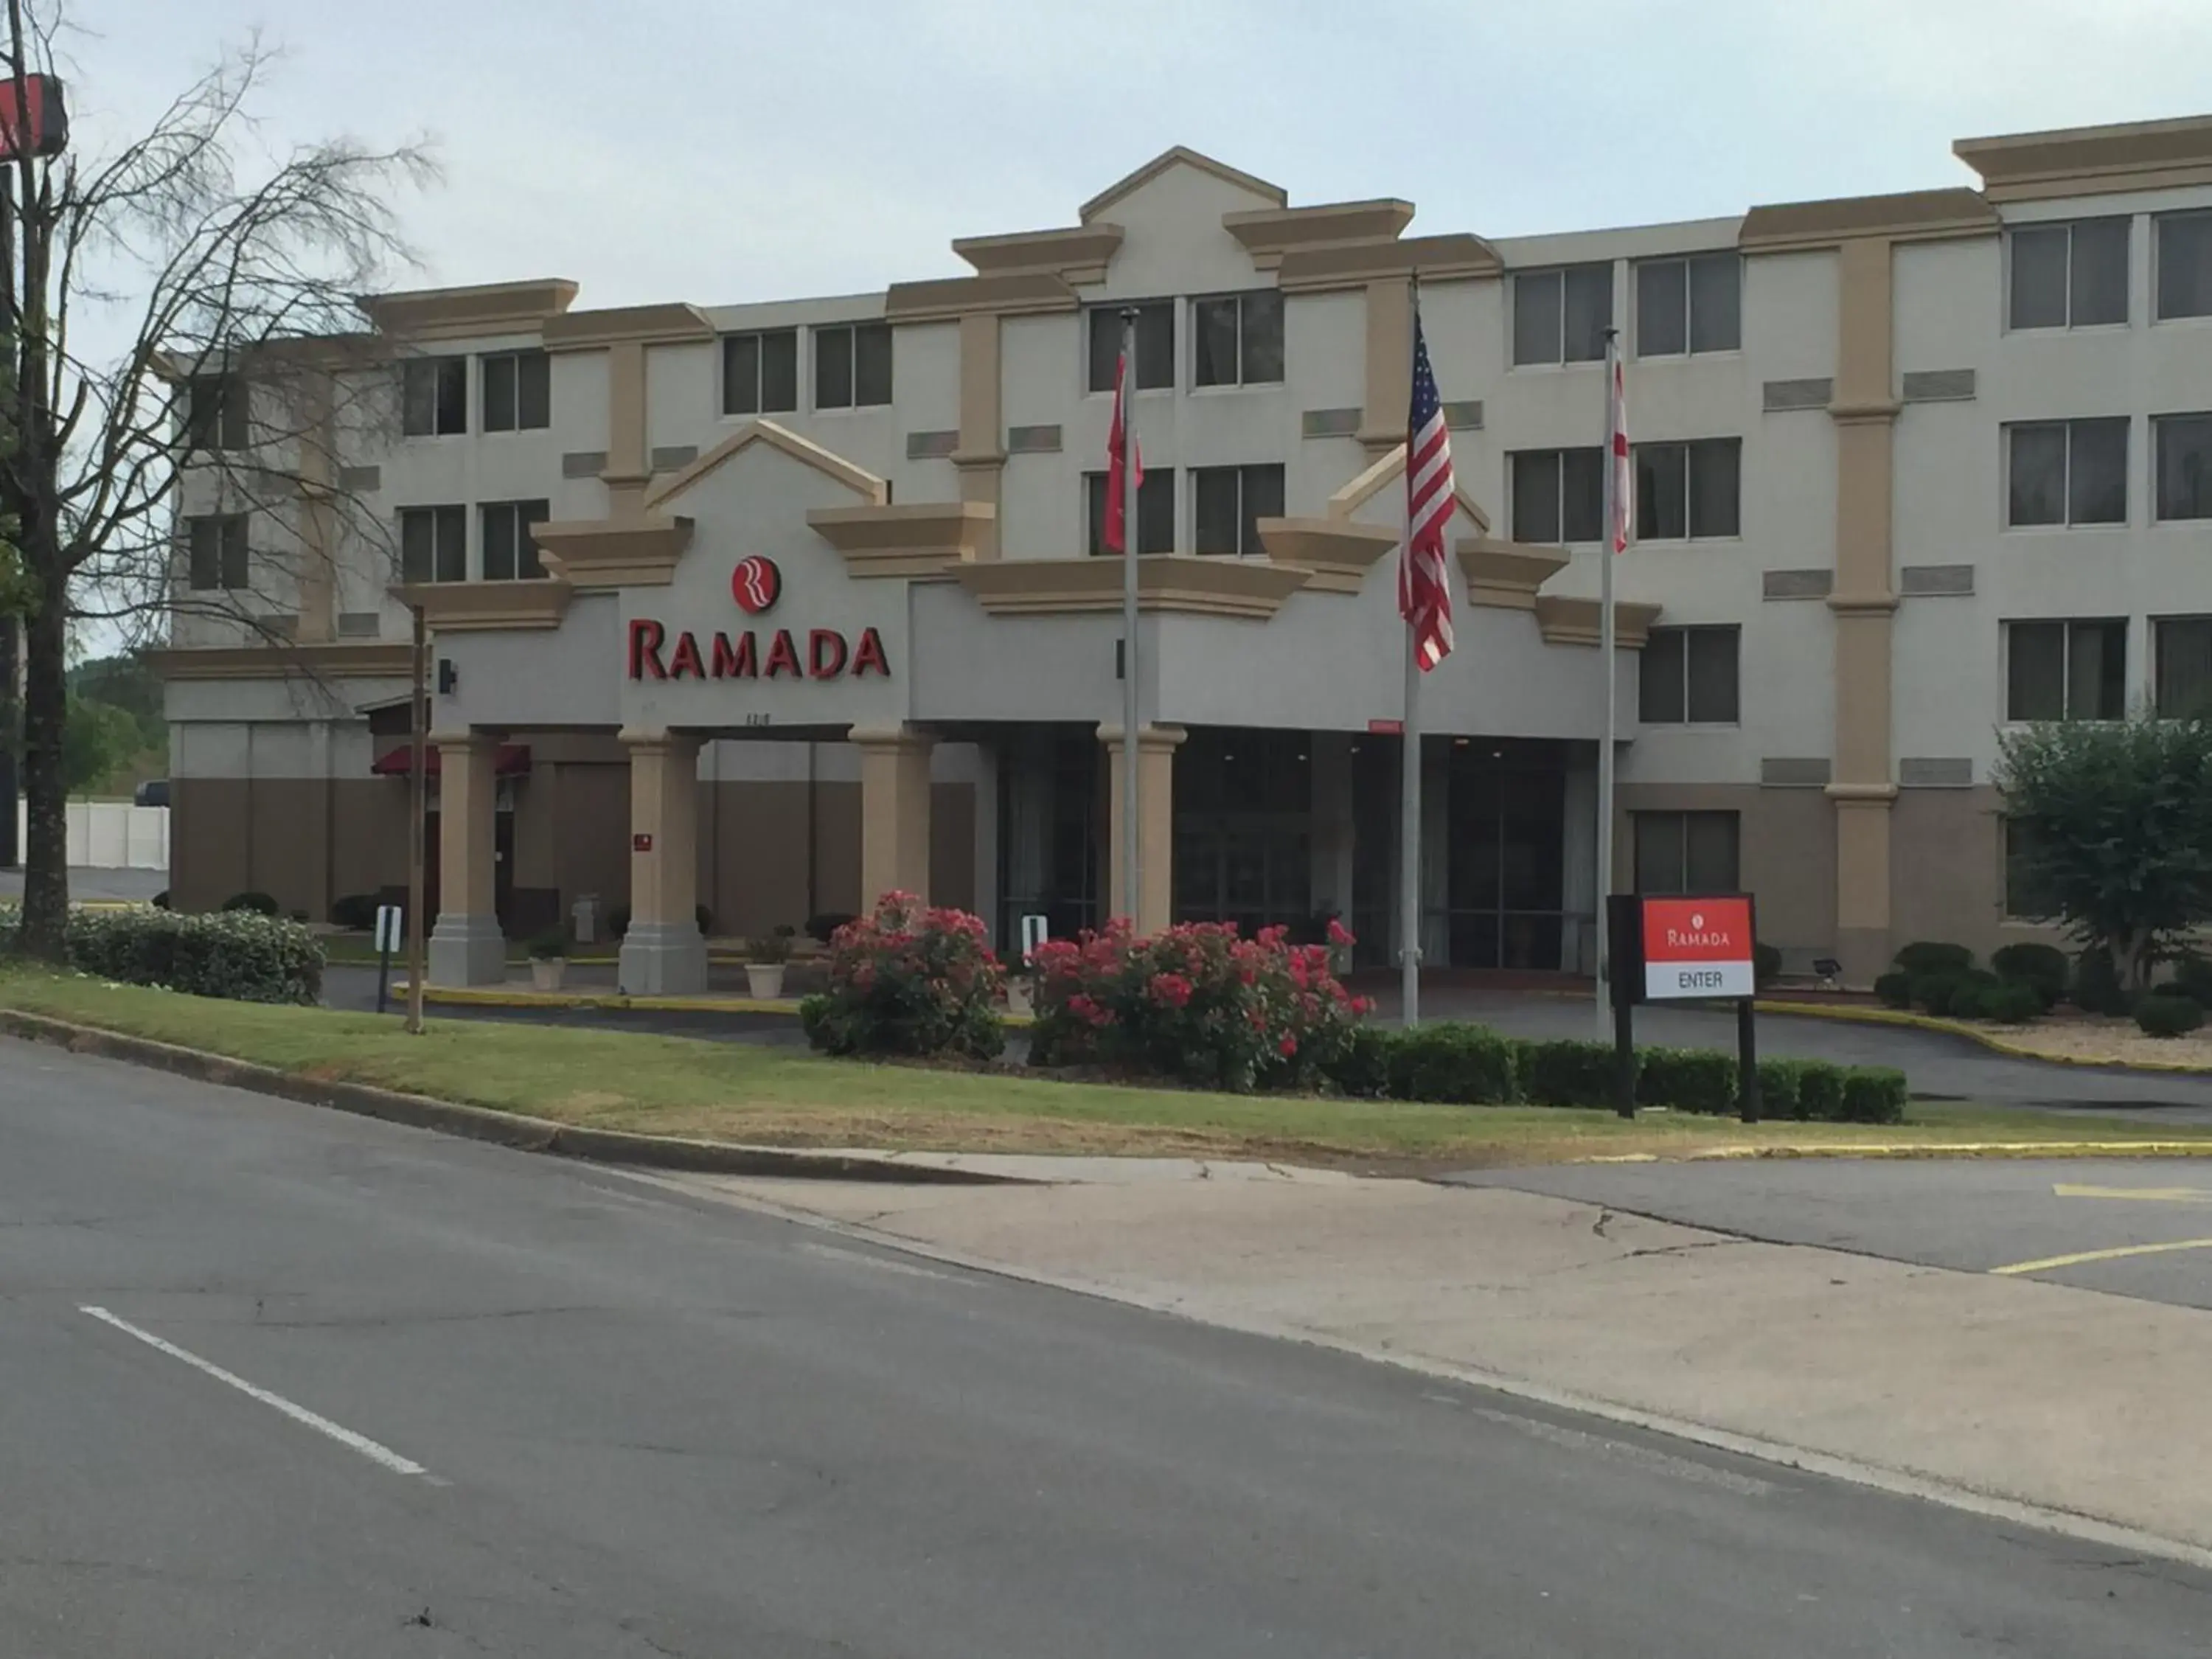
x: 756, y: 585
x: 1698, y: 947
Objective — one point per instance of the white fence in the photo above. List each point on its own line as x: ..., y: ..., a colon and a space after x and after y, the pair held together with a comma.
x: 111, y: 835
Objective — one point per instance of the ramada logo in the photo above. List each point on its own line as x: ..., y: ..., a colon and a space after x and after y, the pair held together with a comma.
x: 1697, y: 933
x: 756, y: 584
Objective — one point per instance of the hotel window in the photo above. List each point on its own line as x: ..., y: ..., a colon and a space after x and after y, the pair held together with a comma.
x: 2066, y: 671
x: 1561, y: 316
x: 216, y: 555
x: 1155, y: 511
x: 2183, y: 647
x: 1156, y: 357
x: 2067, y: 473
x: 2184, y: 466
x: 2184, y: 265
x: 1689, y: 490
x: 1558, y: 495
x: 215, y: 408
x: 517, y: 392
x: 1237, y: 339
x: 852, y: 365
x: 1229, y: 503
x: 2028, y: 895
x: 1688, y: 677
x: 760, y: 373
x: 1687, y: 853
x: 2069, y: 275
x: 434, y: 543
x: 1684, y: 306
x: 509, y: 554
x: 433, y: 397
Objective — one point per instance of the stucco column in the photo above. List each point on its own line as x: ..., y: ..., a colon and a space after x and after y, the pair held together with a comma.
x: 981, y: 458
x: 466, y: 947
x: 894, y: 811
x: 627, y: 473
x: 662, y: 954
x: 1155, y: 747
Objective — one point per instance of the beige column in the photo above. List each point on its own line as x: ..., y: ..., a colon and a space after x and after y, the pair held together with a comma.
x: 1863, y: 601
x: 1389, y: 364
x: 893, y: 810
x: 627, y: 474
x: 980, y: 459
x: 315, y: 578
x: 466, y: 947
x: 663, y: 954
x: 1155, y: 747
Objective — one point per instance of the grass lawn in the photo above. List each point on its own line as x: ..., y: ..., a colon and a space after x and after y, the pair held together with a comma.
x: 768, y: 1096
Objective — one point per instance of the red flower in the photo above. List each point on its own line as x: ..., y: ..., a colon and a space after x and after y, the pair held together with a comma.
x: 1339, y: 934
x: 1288, y: 1046
x: 1170, y: 990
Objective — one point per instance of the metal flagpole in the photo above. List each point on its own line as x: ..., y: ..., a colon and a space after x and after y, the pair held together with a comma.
x: 1409, y: 747
x: 1606, y: 650
x: 1132, y: 886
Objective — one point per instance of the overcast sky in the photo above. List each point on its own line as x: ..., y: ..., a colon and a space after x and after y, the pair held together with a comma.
x: 727, y: 150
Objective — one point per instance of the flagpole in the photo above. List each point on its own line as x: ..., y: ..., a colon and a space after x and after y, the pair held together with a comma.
x: 1409, y: 747
x: 1607, y: 650
x: 1132, y: 887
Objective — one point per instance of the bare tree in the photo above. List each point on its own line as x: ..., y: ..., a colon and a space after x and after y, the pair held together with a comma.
x: 235, y: 275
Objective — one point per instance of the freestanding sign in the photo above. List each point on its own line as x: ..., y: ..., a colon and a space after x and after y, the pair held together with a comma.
x: 1678, y: 948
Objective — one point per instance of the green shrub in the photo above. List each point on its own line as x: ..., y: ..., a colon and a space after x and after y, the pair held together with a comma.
x: 1925, y: 957
x: 236, y: 954
x: 1894, y: 989
x: 355, y: 912
x: 911, y: 981
x: 1453, y: 1062
x: 2042, y: 966
x: 552, y: 946
x: 1565, y: 1073
x: 2192, y: 978
x: 2160, y: 1014
x: 1687, y: 1079
x: 1361, y: 1068
x: 1781, y: 1083
x: 161, y: 900
x: 259, y: 904
x: 1819, y: 1091
x: 2009, y: 1002
x: 1765, y: 964
x: 2096, y: 988
x: 1874, y: 1094
x: 1932, y: 992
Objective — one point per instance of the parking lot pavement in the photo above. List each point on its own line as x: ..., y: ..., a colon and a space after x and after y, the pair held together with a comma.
x: 97, y: 886
x: 2139, y: 1229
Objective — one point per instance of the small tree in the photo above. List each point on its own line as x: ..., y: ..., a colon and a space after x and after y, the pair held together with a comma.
x: 2114, y: 828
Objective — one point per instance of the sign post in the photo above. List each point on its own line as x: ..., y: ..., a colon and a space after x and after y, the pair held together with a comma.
x: 1692, y: 948
x: 388, y: 941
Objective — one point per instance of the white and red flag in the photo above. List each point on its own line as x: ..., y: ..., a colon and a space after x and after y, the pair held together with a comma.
x: 1119, y: 455
x: 1424, y: 588
x: 1616, y: 448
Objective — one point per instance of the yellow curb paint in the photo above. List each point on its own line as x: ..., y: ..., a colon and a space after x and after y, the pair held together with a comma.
x: 1961, y: 1149
x: 2121, y: 1254
x: 1854, y: 1015
x: 2147, y: 1195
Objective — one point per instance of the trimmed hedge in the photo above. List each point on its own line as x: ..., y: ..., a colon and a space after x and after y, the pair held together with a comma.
x: 1923, y: 956
x: 234, y: 954
x: 2160, y: 1014
x: 1567, y: 1073
x: 1873, y: 1094
x: 2010, y: 1002
x: 1454, y: 1063
x: 1894, y: 989
x: 1781, y: 1088
x: 1687, y: 1079
x: 1819, y: 1092
x: 2040, y: 966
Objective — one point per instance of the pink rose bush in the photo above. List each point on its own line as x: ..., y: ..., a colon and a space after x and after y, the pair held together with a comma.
x: 909, y: 979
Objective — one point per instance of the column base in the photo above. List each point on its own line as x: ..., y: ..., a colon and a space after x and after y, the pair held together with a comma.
x: 466, y: 951
x: 662, y: 959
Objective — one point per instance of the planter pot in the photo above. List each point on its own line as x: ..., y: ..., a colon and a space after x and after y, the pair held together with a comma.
x: 545, y: 974
x: 764, y: 979
x: 1020, y: 998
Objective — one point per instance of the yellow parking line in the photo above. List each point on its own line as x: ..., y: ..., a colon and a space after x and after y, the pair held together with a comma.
x: 2151, y: 1194
x: 2082, y: 1256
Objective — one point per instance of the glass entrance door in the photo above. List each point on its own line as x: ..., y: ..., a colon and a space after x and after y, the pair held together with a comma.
x: 1243, y: 818
x: 1505, y: 886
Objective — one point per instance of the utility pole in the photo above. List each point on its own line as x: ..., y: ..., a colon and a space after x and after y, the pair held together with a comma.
x: 418, y: 808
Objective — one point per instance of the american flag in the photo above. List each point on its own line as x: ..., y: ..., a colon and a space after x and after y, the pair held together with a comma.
x: 1424, y: 591
x: 1616, y: 442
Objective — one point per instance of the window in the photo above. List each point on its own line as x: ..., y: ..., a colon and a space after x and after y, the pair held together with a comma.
x: 1561, y: 316
x: 1155, y: 510
x: 1688, y: 306
x: 2184, y: 265
x: 1231, y: 502
x: 1156, y: 360
x: 2183, y: 647
x: 760, y: 373
x: 518, y: 392
x: 433, y: 397
x: 217, y: 547
x: 509, y: 554
x: 215, y: 408
x: 1558, y: 495
x: 2067, y: 472
x: 1690, y: 489
x: 852, y: 366
x: 1687, y: 853
x: 1238, y: 339
x: 2184, y: 466
x: 2028, y: 895
x: 2069, y: 275
x: 1688, y: 677
x: 433, y: 544
x: 2066, y: 671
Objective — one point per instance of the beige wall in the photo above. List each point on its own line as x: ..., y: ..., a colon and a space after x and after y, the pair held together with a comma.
x: 302, y: 841
x: 1786, y: 851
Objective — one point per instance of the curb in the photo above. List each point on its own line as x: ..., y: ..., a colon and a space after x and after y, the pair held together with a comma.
x: 1933, y: 1149
x: 509, y: 1129
x: 473, y: 996
x: 1975, y: 1034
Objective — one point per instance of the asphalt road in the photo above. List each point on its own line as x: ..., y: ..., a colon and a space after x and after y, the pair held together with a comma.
x: 1980, y: 1217
x: 503, y: 1405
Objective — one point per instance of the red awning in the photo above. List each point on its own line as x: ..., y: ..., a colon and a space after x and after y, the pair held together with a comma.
x: 514, y: 759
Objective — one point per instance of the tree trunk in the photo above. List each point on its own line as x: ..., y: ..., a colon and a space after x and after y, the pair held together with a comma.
x: 45, y: 709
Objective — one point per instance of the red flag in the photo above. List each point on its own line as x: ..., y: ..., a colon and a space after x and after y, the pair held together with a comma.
x: 1118, y: 453
x: 1424, y: 585
x: 1616, y: 444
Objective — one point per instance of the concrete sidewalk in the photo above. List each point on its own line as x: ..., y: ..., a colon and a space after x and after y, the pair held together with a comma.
x: 2086, y: 1409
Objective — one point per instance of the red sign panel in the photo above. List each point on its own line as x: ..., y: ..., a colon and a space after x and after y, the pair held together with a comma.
x: 44, y: 131
x: 642, y: 841
x: 1386, y: 728
x: 1698, y: 947
x: 755, y: 584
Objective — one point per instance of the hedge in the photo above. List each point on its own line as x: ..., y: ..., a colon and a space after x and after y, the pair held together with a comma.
x: 1687, y: 1079
x: 1894, y: 989
x: 2040, y: 966
x: 2162, y: 1014
x: 1873, y: 1094
x: 239, y: 955
x: 1924, y: 956
x: 1454, y: 1063
x: 2011, y: 1002
x: 1566, y: 1074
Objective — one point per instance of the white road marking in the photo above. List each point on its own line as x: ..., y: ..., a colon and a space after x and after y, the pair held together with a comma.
x: 883, y: 1263
x: 383, y: 1457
